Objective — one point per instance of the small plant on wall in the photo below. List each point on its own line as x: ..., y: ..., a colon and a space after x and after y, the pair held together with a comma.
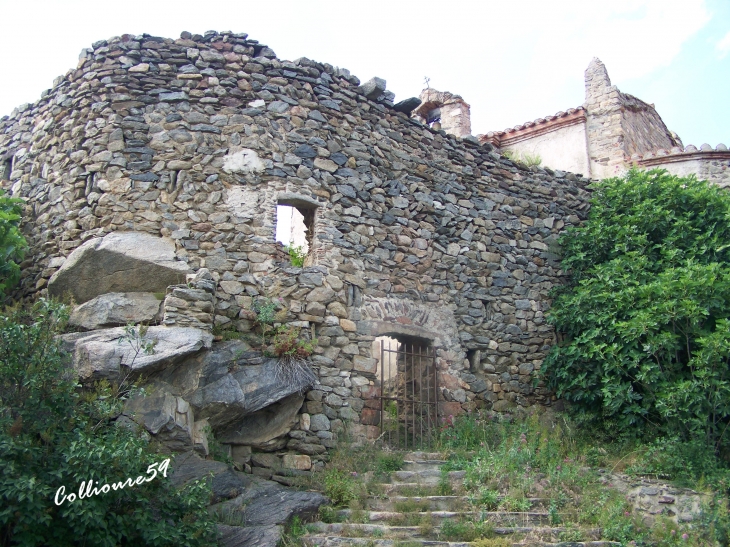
x: 264, y: 313
x: 297, y: 254
x: 293, y: 352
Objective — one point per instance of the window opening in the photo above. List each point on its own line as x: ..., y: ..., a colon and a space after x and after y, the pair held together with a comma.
x: 295, y: 231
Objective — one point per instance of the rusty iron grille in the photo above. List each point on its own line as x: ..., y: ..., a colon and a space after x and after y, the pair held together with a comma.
x: 408, y: 395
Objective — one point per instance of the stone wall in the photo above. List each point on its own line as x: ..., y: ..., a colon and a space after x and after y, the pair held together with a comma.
x: 706, y: 163
x: 415, y: 232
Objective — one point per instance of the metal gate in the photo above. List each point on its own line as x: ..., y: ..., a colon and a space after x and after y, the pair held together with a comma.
x: 408, y: 394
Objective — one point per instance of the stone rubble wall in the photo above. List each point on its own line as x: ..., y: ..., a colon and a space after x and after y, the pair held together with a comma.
x: 416, y: 232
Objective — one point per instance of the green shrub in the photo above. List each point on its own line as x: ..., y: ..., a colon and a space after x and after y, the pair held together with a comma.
x: 12, y: 243
x: 53, y: 435
x: 340, y: 487
x: 645, y: 320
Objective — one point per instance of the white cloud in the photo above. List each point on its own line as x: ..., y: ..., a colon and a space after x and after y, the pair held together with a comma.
x: 723, y: 46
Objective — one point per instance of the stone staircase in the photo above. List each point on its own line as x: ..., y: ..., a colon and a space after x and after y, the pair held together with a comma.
x: 422, y: 506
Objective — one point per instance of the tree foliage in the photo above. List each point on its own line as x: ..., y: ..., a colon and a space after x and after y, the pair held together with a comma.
x: 12, y: 243
x: 645, y: 319
x: 53, y: 434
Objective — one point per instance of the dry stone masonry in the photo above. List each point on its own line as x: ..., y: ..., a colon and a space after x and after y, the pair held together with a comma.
x: 155, y: 168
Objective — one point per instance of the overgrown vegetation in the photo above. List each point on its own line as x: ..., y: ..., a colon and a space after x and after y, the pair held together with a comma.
x: 646, y: 318
x: 55, y: 434
x: 548, y: 463
x: 524, y: 158
x: 12, y: 243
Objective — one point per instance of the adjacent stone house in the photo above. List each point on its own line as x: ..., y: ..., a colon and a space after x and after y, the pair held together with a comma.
x: 608, y: 134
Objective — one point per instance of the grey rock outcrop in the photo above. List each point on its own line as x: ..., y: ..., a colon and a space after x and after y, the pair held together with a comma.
x: 116, y: 309
x: 102, y: 353
x: 226, y: 483
x: 231, y: 382
x: 254, y: 536
x: 254, y: 501
x: 170, y: 419
x: 119, y: 262
x: 259, y: 429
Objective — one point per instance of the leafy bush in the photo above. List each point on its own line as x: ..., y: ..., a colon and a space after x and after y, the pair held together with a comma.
x: 53, y: 435
x: 12, y: 243
x: 645, y: 318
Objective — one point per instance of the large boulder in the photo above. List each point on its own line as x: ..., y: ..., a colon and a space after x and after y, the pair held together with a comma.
x: 119, y: 262
x: 116, y: 309
x: 267, y: 503
x: 103, y: 353
x: 230, y: 382
x: 170, y: 419
x: 260, y: 428
x: 258, y: 502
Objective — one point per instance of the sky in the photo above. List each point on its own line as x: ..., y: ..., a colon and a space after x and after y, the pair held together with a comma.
x: 511, y: 61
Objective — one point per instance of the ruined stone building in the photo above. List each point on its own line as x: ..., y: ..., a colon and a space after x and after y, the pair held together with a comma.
x: 154, y: 175
x: 611, y: 132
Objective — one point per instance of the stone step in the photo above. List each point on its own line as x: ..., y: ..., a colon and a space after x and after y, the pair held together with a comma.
x: 504, y: 518
x: 433, y: 503
x: 418, y: 465
x: 337, y: 541
x: 425, y: 476
x: 426, y: 503
x: 416, y: 488
x: 351, y: 529
x: 413, y: 456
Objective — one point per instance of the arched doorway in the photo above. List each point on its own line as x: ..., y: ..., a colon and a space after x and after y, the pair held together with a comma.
x: 408, y: 385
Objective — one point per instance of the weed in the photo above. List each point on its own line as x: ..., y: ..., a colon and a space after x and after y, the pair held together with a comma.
x: 412, y: 506
x: 328, y: 514
x: 293, y: 534
x: 389, y: 462
x: 523, y: 158
x: 492, y: 542
x: 466, y: 530
x: 444, y: 487
x: 571, y: 534
x: 485, y: 497
x: 297, y: 254
x: 230, y: 515
x: 515, y: 504
x: 340, y: 487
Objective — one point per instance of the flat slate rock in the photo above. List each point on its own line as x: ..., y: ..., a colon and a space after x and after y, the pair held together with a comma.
x: 254, y: 536
x: 226, y: 482
x: 407, y: 106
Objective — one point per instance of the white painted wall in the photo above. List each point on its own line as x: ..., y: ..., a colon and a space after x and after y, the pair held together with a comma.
x: 564, y: 149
